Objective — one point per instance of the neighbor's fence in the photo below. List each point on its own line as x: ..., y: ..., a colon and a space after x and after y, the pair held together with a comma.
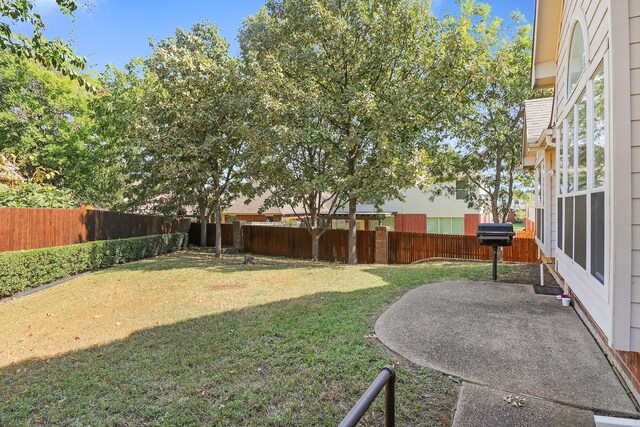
x: 32, y: 228
x: 523, y: 249
x: 405, y: 248
x: 227, y: 234
x: 296, y: 243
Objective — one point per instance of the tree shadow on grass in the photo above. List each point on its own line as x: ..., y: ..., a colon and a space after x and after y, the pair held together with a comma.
x: 297, y: 362
x: 228, y: 263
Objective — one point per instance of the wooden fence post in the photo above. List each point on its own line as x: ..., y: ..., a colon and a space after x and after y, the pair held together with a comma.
x: 237, y: 235
x: 382, y: 245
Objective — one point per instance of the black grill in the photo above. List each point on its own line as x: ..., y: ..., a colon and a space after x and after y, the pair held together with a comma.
x: 495, y: 235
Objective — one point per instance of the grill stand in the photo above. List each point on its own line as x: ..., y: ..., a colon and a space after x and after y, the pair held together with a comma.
x: 495, y: 264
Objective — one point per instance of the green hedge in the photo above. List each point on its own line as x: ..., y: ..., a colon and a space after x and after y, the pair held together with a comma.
x: 21, y: 270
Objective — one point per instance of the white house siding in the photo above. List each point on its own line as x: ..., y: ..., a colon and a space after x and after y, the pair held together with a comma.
x: 593, y: 16
x: 634, y: 63
x: 553, y: 202
x: 417, y: 201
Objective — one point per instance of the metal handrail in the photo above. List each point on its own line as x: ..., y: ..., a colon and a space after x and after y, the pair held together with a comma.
x: 387, y: 377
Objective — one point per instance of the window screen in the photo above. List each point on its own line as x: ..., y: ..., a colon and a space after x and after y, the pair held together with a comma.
x: 580, y: 237
x: 568, y: 226
x: 577, y: 57
x: 570, y: 157
x: 560, y: 221
x: 540, y: 224
x: 445, y: 225
x: 597, y: 236
x: 457, y: 226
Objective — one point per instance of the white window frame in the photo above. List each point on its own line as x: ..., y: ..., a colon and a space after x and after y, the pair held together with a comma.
x: 587, y: 87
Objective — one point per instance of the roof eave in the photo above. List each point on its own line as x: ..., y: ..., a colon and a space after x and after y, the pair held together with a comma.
x: 548, y: 15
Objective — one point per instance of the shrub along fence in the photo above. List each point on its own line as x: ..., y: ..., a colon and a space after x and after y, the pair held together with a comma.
x: 403, y: 248
x: 227, y: 234
x: 21, y: 270
x: 31, y: 228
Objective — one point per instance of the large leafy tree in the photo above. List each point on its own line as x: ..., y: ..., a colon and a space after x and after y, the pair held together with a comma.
x: 21, y: 190
x: 485, y: 138
x: 192, y: 126
x: 350, y: 85
x: 53, y: 54
x: 50, y: 119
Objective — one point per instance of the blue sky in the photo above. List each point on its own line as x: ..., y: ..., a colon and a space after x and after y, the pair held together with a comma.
x: 114, y: 31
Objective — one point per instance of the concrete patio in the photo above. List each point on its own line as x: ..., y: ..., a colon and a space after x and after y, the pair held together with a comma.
x: 504, y: 339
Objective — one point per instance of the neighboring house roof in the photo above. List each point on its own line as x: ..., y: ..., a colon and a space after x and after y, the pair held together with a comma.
x: 537, y: 121
x: 243, y: 205
x: 417, y: 201
x: 240, y: 206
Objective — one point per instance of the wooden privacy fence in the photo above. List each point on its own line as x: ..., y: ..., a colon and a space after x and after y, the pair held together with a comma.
x: 227, y: 234
x: 32, y: 228
x: 405, y: 248
x: 522, y: 250
x: 296, y: 243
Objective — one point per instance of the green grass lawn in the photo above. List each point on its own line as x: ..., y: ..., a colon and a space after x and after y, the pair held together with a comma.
x: 186, y: 339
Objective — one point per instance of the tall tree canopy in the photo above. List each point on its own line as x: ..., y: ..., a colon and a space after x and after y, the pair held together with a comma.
x: 348, y: 86
x: 53, y: 54
x: 49, y: 119
x: 191, y: 127
x: 486, y: 138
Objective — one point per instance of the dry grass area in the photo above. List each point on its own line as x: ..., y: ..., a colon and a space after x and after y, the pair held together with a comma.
x: 186, y: 339
x: 112, y: 304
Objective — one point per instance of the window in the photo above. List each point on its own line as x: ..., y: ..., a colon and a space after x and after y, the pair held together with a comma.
x: 581, y: 146
x: 461, y: 190
x: 457, y: 226
x: 582, y: 172
x: 577, y: 58
x: 445, y: 225
x: 433, y: 225
x: 560, y: 156
x: 598, y: 128
x: 597, y: 236
x: 560, y: 221
x: 580, y: 233
x: 568, y: 226
x: 571, y: 131
x: 540, y: 178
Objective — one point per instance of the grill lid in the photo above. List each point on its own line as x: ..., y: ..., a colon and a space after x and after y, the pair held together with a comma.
x: 497, y: 230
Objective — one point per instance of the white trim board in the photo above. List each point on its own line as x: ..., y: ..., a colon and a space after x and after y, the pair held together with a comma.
x: 615, y: 422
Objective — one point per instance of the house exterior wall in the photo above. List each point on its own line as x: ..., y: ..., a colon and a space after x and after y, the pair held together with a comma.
x: 634, y: 67
x: 417, y: 201
x: 471, y: 222
x: 411, y: 223
x: 611, y: 31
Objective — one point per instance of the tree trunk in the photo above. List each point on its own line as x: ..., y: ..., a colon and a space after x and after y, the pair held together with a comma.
x: 218, y: 249
x: 203, y: 223
x: 315, y: 244
x: 494, y: 211
x: 353, y: 258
